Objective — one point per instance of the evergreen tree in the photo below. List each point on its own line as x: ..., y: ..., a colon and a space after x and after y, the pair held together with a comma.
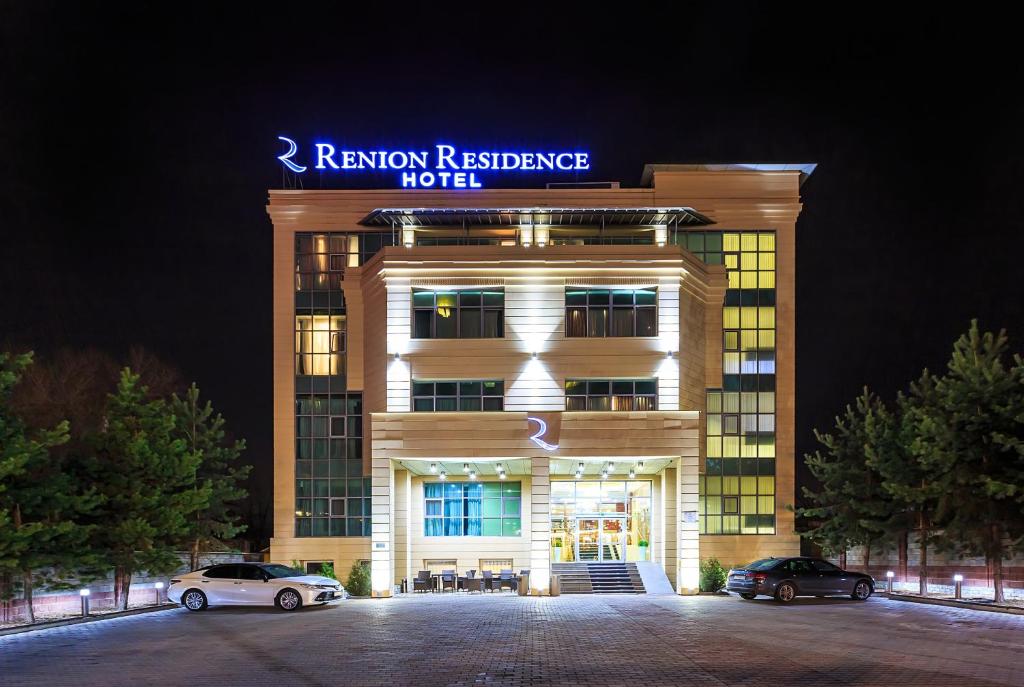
x: 218, y: 471
x: 972, y: 439
x: 147, y: 477
x: 851, y: 508
x: 39, y: 502
x: 892, y: 452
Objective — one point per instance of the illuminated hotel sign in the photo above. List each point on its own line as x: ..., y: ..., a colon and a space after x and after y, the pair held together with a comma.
x: 445, y: 166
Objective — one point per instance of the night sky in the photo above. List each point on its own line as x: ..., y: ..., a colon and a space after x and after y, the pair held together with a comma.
x: 137, y: 146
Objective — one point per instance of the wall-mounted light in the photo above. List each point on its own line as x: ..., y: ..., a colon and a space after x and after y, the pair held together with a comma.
x: 540, y: 236
x: 443, y: 475
x: 639, y: 465
x: 501, y: 475
x: 578, y: 474
x: 661, y: 234
x: 611, y: 466
x: 604, y: 474
x: 632, y: 473
x: 465, y: 467
x: 472, y: 474
x: 408, y: 237
x: 525, y: 235
x: 433, y: 467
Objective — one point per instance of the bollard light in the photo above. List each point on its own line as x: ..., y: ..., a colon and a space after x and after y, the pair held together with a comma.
x: 889, y: 574
x: 158, y: 586
x: 84, y: 593
x: 958, y: 586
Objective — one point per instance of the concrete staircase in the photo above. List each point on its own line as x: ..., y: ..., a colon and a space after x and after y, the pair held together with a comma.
x: 598, y: 578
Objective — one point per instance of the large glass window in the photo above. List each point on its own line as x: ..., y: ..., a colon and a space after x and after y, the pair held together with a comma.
x: 611, y: 312
x: 332, y: 496
x: 613, y: 514
x: 470, y: 314
x: 320, y: 345
x: 435, y: 396
x: 611, y: 394
x: 737, y: 494
x: 472, y: 509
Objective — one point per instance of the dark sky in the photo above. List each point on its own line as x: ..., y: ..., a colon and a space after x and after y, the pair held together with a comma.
x: 137, y: 145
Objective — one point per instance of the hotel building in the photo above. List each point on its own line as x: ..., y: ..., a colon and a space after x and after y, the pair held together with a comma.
x: 549, y: 379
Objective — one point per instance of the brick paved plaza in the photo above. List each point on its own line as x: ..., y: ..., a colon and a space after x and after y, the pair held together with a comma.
x: 509, y: 640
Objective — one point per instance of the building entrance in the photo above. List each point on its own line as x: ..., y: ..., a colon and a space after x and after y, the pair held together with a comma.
x: 600, y: 539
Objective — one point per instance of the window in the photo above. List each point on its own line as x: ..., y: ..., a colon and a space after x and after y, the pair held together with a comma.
x: 332, y: 496
x: 472, y: 509
x: 222, y: 572
x: 737, y: 493
x: 313, y: 567
x: 496, y: 565
x: 321, y: 259
x: 250, y: 572
x: 461, y: 395
x: 611, y: 394
x: 611, y: 312
x: 320, y: 345
x: 824, y: 566
x: 476, y: 314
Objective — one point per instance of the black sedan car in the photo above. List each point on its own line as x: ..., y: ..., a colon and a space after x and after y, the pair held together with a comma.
x: 787, y: 578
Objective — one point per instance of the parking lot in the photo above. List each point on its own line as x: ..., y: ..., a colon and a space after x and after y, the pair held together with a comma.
x: 510, y: 640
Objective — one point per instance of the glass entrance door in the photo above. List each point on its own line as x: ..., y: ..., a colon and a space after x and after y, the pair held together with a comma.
x: 613, y: 539
x: 600, y: 539
x: 588, y: 539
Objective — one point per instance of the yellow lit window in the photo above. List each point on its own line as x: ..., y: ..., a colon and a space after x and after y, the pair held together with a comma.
x: 715, y: 402
x: 766, y: 401
x: 731, y: 317
x: 748, y: 318
x: 731, y: 363
x: 748, y: 261
x: 765, y: 261
x: 731, y: 447
x: 731, y: 243
x: 748, y: 243
x: 748, y: 402
x: 714, y: 424
x: 766, y: 447
x: 714, y: 447
x: 766, y: 339
x: 748, y: 340
x: 748, y: 280
x: 766, y: 318
x: 766, y: 484
x: 732, y: 340
x: 730, y: 486
x: 731, y: 402
x: 732, y: 261
x: 733, y: 279
x: 319, y: 344
x: 766, y: 280
x: 766, y: 241
x: 713, y: 486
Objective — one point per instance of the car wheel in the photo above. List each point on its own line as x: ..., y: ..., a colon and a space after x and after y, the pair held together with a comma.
x: 194, y: 600
x: 289, y: 600
x: 861, y: 591
x: 785, y: 592
x: 747, y: 596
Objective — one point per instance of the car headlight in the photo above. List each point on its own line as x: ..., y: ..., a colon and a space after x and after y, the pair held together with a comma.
x: 310, y: 586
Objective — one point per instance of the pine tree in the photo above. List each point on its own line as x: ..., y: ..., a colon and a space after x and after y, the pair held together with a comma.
x: 147, y: 477
x: 38, y: 500
x: 851, y: 508
x: 218, y: 471
x: 971, y: 440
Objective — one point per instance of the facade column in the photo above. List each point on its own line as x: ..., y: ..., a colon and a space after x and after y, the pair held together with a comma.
x: 688, y: 549
x: 382, y: 537
x: 540, y: 525
x: 667, y: 548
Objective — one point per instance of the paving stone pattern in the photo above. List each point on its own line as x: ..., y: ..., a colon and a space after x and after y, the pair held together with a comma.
x: 504, y: 639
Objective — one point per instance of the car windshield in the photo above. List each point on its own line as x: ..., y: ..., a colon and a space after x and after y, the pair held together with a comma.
x: 276, y: 571
x: 763, y: 564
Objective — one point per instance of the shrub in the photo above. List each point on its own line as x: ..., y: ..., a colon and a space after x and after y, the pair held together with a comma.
x: 358, y: 580
x: 327, y: 570
x: 712, y: 575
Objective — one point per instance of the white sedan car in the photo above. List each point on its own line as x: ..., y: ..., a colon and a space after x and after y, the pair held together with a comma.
x: 252, y: 584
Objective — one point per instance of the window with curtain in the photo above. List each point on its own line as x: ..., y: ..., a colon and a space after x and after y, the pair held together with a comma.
x: 472, y: 509
x: 611, y: 394
x: 469, y: 314
x: 461, y: 395
x: 320, y: 345
x: 610, y: 312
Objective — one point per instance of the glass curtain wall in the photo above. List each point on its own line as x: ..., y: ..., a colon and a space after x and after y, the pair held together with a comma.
x: 737, y: 490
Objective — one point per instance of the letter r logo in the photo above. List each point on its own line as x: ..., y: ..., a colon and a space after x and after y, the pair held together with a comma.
x: 286, y: 158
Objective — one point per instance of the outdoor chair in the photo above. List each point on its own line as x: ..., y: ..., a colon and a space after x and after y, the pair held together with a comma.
x: 422, y: 582
x: 506, y: 579
x: 449, y: 580
x: 488, y: 579
x: 473, y: 584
